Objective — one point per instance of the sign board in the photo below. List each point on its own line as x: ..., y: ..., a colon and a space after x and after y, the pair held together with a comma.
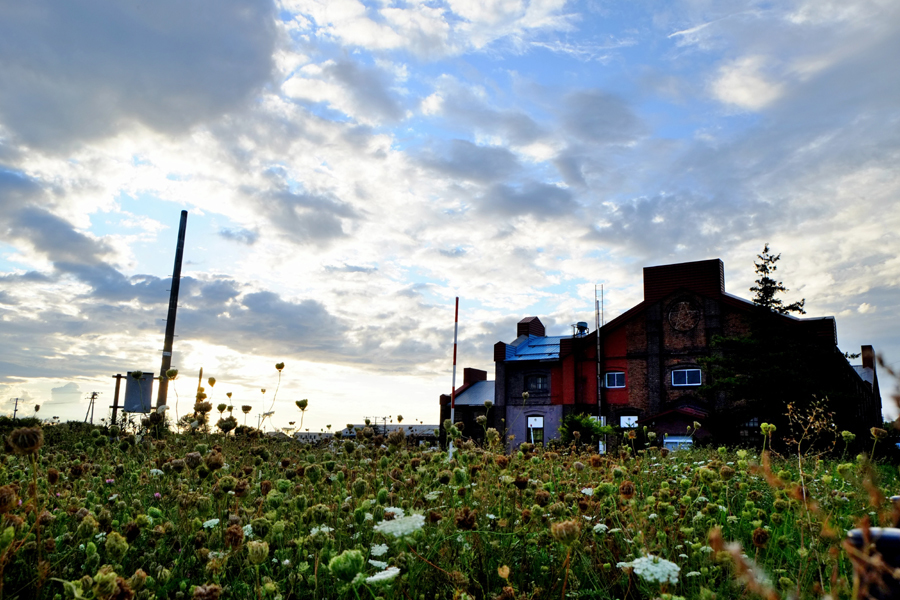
x: 535, y: 422
x: 139, y: 394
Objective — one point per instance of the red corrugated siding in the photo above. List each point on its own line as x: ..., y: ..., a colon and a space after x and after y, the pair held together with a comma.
x: 557, y: 385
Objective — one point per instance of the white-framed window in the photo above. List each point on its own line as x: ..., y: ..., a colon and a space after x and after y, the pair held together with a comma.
x: 629, y: 421
x: 537, y: 383
x: 685, y: 377
x: 536, y: 430
x: 678, y: 442
x: 615, y: 379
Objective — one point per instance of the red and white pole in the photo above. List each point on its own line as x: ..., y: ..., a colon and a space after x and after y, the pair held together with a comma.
x: 453, y: 388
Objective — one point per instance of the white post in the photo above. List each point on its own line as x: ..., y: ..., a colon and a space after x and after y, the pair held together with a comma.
x: 453, y: 388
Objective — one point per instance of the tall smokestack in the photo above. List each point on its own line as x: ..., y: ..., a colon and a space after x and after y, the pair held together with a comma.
x: 170, y: 320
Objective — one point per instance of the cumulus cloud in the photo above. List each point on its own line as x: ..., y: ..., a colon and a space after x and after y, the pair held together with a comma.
x: 80, y: 71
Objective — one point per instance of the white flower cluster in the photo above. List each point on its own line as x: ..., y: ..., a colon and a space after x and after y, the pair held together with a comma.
x: 211, y: 523
x: 383, y: 576
x: 156, y: 472
x: 600, y: 528
x: 398, y: 512
x: 379, y: 550
x: 653, y: 569
x: 248, y: 531
x: 320, y: 529
x: 378, y: 564
x: 402, y: 526
x: 587, y: 491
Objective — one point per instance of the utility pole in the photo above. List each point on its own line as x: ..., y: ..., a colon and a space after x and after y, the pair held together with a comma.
x: 166, y: 364
x: 16, y: 409
x: 90, y: 410
x: 115, y: 406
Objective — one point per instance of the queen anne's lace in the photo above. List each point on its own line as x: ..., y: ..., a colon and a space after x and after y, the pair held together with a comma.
x: 653, y: 569
x: 402, y: 526
x: 385, y: 575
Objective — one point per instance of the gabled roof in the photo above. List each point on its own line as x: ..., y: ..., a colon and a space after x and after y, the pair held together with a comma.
x: 476, y: 394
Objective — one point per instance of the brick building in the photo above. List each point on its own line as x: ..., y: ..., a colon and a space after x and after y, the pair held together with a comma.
x: 650, y: 368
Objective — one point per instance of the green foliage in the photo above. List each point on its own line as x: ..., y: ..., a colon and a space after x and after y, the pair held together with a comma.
x: 156, y: 521
x: 583, y: 429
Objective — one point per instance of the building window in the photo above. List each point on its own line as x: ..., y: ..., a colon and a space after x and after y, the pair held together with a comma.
x: 678, y: 442
x: 536, y: 430
x: 537, y: 383
x: 685, y: 377
x: 750, y: 428
x: 615, y: 379
x: 629, y: 421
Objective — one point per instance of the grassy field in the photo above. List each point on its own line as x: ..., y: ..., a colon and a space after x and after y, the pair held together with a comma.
x: 96, y: 514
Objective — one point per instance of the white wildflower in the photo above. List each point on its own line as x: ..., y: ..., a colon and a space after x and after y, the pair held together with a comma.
x: 587, y: 491
x: 652, y: 516
x: 398, y: 512
x: 248, y: 531
x: 692, y: 574
x: 492, y: 517
x: 156, y: 472
x: 210, y: 524
x: 706, y: 549
x: 286, y: 563
x: 320, y: 529
x: 378, y: 564
x: 434, y: 495
x: 379, y: 550
x: 600, y: 528
x: 653, y: 569
x: 383, y: 576
x: 402, y: 526
x: 113, y: 497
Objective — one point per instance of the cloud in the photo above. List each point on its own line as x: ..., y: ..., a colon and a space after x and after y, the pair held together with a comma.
x: 534, y: 198
x: 83, y: 70
x: 240, y: 235
x: 743, y: 84
x: 361, y: 92
x: 461, y: 159
x: 596, y: 117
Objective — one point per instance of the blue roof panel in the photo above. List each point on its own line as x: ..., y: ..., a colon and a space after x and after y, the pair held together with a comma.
x: 536, y: 348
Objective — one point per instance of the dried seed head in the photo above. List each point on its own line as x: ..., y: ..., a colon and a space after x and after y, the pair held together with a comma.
x: 26, y: 440
x: 8, y: 498
x: 565, y: 532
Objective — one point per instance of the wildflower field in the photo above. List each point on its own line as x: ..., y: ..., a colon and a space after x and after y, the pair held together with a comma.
x: 102, y: 513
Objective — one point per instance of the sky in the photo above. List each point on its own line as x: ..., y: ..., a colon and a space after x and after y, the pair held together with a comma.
x: 349, y: 168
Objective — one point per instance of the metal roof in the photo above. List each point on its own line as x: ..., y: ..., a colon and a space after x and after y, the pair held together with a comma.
x: 476, y: 394
x: 867, y: 374
x: 536, y: 348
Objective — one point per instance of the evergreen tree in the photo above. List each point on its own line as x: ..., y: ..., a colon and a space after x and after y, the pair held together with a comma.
x: 767, y: 288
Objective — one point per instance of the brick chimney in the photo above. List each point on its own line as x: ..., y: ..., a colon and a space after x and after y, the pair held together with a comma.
x: 868, y: 357
x: 530, y: 326
x: 705, y: 277
x: 473, y: 375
